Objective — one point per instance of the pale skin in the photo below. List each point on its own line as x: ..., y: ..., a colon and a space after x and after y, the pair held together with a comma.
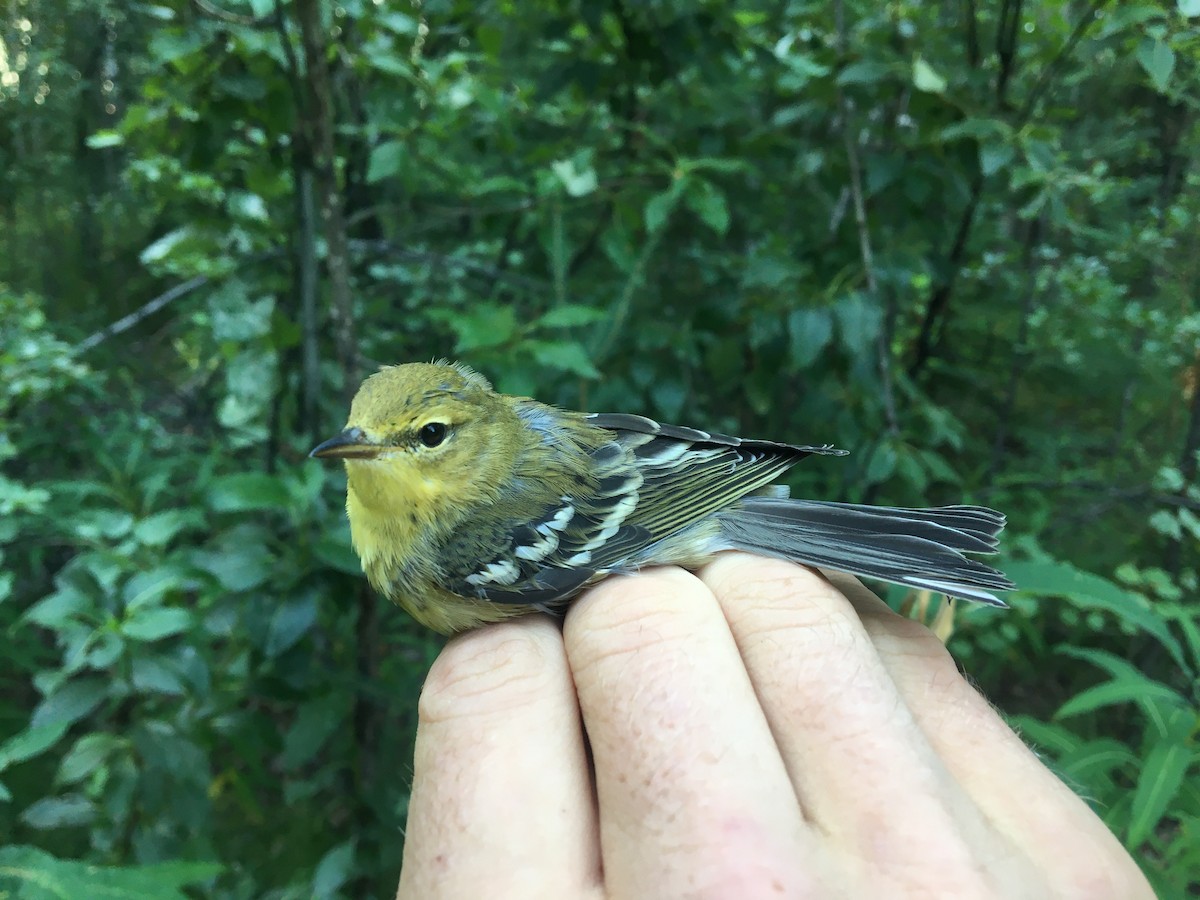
x: 755, y: 730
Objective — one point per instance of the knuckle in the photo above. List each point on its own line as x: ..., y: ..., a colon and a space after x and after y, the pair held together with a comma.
x: 910, y: 643
x: 489, y: 672
x: 754, y: 580
x: 626, y: 617
x: 1096, y: 871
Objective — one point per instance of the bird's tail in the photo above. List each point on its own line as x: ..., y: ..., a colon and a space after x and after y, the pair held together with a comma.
x: 921, y: 548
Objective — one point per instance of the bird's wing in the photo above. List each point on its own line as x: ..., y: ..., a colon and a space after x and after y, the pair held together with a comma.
x: 687, y: 474
x: 644, y: 482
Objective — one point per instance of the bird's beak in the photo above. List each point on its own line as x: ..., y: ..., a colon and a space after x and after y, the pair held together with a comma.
x: 352, y: 443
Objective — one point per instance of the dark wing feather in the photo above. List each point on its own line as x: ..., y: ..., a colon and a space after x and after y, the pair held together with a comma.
x: 689, y: 474
x: 645, y: 482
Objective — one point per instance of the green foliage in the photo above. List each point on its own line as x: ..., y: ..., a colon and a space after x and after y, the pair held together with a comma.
x: 965, y: 252
x: 31, y: 874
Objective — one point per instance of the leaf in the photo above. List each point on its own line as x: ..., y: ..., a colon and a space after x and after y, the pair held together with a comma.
x: 247, y: 491
x: 290, y: 621
x: 315, y: 722
x: 67, y: 811
x: 1098, y: 758
x: 95, y: 525
x: 105, y: 138
x: 70, y: 703
x: 708, y: 202
x: 658, y: 208
x: 1159, y: 780
x: 238, y: 318
x: 669, y: 397
x: 1128, y: 15
x: 809, y: 332
x: 246, y: 205
x: 925, y: 78
x: 1158, y: 59
x: 37, y: 875
x: 169, y: 45
x: 59, y: 608
x: 882, y: 464
x: 864, y: 71
x: 726, y: 166
x: 381, y: 56
x: 1111, y: 693
x: 161, y: 248
x: 240, y: 562
x: 977, y: 128
x: 149, y: 588
x: 334, y: 551
x: 153, y: 675
x: 859, y: 321
x: 565, y: 356
x: 801, y: 69
x: 156, y: 623
x: 579, y: 182
x: 397, y: 22
x: 1091, y: 592
x: 1169, y: 479
x: 571, y: 316
x: 88, y: 754
x: 334, y: 870
x: 994, y: 157
x: 1128, y: 685
x: 160, y: 528
x: 106, y: 649
x: 31, y: 742
x: 386, y: 161
x: 1053, y: 737
x: 483, y: 326
x: 1190, y: 522
x: 1166, y: 523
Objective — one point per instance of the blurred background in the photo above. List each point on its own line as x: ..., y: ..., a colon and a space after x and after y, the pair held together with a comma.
x: 958, y: 238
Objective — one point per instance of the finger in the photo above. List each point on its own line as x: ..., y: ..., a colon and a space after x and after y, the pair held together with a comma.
x: 502, y: 793
x: 1074, y: 849
x: 864, y: 771
x: 693, y: 795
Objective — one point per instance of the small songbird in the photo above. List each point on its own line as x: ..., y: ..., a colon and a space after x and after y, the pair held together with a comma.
x: 467, y: 506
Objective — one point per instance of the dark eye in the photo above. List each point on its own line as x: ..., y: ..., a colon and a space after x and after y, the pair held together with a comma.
x: 432, y: 434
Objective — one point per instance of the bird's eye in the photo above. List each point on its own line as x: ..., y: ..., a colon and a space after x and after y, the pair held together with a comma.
x: 432, y: 434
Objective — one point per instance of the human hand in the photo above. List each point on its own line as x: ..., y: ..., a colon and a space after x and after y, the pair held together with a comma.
x: 754, y: 732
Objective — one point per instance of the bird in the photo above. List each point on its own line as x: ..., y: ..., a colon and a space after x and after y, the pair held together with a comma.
x: 468, y: 506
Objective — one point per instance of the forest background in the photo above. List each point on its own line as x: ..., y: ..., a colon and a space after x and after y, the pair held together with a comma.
x: 959, y: 238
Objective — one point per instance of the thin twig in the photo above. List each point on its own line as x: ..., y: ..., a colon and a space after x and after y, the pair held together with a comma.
x: 1043, y: 81
x: 147, y: 310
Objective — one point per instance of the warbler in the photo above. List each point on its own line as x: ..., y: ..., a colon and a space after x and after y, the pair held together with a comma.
x: 467, y: 506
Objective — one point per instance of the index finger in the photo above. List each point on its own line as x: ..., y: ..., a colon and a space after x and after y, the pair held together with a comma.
x: 502, y: 798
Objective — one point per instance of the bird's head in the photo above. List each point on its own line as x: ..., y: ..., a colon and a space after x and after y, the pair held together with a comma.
x: 421, y: 432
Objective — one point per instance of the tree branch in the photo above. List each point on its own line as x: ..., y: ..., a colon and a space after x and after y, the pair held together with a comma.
x: 321, y: 119
x: 866, y: 254
x: 147, y: 310
x: 1043, y: 81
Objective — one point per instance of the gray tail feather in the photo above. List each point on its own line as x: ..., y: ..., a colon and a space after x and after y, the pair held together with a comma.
x: 921, y: 548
